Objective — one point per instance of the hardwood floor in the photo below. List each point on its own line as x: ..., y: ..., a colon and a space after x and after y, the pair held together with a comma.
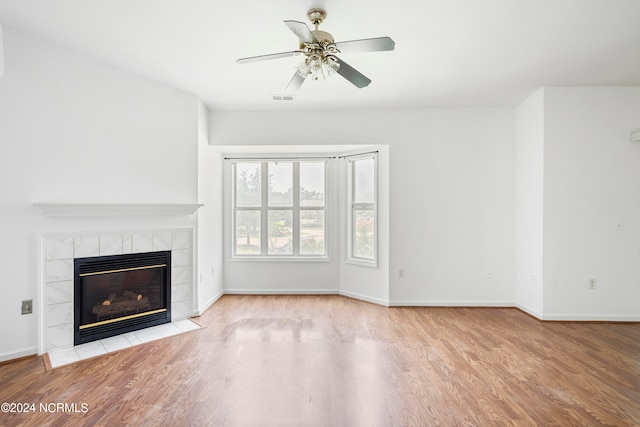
x: 334, y: 361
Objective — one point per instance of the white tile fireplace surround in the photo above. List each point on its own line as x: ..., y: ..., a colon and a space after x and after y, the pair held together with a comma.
x: 56, y: 286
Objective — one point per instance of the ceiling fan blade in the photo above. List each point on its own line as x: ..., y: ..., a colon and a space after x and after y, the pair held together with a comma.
x: 267, y: 57
x: 295, y: 82
x: 301, y: 30
x: 377, y: 44
x: 353, y: 75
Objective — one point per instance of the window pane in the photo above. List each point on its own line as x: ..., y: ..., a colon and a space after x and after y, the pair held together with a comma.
x: 364, y: 234
x: 280, y: 183
x: 247, y: 232
x: 280, y: 232
x: 364, y: 181
x: 248, y: 177
x: 312, y: 232
x: 312, y: 183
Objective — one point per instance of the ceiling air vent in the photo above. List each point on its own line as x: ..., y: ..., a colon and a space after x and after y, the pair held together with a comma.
x: 283, y: 97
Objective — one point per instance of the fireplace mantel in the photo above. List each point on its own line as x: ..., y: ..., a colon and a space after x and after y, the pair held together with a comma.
x: 112, y: 209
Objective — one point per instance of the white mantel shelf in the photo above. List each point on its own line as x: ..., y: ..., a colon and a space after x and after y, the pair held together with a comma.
x: 110, y: 209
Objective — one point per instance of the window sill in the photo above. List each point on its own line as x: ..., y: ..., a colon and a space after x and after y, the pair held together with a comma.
x: 362, y: 263
x: 278, y: 259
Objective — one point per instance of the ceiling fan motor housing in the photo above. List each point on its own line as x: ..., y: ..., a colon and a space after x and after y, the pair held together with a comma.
x: 322, y: 36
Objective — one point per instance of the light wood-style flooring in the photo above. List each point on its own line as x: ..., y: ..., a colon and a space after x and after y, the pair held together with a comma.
x: 335, y: 361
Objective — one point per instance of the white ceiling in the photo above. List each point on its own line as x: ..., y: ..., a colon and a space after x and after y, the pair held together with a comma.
x: 449, y: 53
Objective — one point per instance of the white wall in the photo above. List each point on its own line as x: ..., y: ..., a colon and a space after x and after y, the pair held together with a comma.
x: 452, y: 206
x: 209, y: 271
x: 529, y: 202
x: 76, y: 130
x: 591, y: 181
x: 451, y: 195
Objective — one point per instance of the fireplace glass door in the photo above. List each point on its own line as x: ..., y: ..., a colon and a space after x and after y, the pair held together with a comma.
x: 121, y: 293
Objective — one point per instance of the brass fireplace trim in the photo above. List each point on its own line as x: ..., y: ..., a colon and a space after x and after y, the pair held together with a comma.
x: 146, y: 267
x: 131, y: 316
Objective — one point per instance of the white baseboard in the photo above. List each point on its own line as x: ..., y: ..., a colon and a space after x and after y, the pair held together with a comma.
x: 366, y: 298
x: 578, y: 317
x: 529, y: 311
x: 200, y: 311
x: 31, y: 351
x: 590, y: 318
x: 455, y: 303
x: 281, y: 292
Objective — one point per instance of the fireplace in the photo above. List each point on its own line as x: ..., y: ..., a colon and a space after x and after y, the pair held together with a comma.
x: 120, y: 293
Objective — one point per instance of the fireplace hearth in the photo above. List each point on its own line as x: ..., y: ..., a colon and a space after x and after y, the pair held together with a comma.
x: 120, y: 293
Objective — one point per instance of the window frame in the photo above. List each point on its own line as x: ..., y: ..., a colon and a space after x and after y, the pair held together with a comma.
x: 264, y: 210
x: 352, y: 207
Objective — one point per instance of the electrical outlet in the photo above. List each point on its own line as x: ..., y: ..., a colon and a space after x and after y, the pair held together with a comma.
x: 401, y: 273
x: 490, y: 274
x: 592, y: 283
x: 27, y: 306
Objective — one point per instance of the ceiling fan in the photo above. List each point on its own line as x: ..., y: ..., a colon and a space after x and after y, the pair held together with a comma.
x: 321, y: 51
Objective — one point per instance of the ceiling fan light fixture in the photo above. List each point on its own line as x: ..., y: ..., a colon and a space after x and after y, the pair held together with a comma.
x: 318, y: 67
x: 321, y: 61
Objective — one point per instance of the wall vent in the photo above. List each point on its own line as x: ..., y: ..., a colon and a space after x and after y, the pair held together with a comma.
x: 283, y: 97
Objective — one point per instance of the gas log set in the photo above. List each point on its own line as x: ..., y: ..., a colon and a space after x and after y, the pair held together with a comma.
x: 121, y: 305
